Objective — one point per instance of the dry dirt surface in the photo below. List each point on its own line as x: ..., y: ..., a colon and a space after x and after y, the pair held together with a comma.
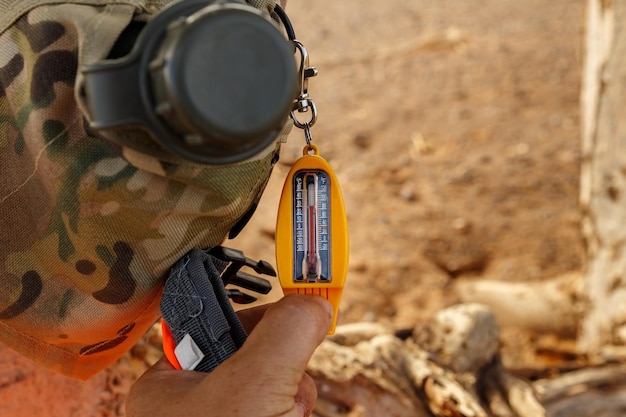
x: 453, y: 127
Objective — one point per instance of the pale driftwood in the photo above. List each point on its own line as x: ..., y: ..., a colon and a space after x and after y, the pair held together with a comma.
x: 378, y: 374
x: 365, y: 371
x: 603, y: 176
x: 508, y: 395
x: 548, y: 306
x: 363, y: 380
x: 597, y: 403
x: 589, y: 392
x: 382, y: 377
x: 463, y: 339
x: 575, y: 382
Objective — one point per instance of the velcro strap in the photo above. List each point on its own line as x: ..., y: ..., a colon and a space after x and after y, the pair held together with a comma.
x: 195, y: 305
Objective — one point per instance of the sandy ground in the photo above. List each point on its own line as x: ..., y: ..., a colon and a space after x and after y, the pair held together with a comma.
x: 453, y: 127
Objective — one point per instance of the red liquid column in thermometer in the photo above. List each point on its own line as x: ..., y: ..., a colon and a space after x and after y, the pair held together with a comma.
x: 312, y: 265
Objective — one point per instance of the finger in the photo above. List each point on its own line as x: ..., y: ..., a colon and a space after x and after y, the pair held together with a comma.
x: 159, y: 389
x: 164, y: 369
x: 161, y: 365
x: 288, y: 334
x: 138, y: 401
x: 251, y: 316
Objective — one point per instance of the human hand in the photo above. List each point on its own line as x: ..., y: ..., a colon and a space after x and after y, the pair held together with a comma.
x: 264, y: 378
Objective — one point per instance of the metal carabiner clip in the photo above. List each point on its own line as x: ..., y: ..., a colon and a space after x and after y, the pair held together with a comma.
x: 303, y: 102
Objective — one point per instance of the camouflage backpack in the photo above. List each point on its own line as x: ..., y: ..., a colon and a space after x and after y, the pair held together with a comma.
x: 88, y: 226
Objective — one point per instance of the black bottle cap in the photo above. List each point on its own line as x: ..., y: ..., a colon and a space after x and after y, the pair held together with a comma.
x: 224, y: 80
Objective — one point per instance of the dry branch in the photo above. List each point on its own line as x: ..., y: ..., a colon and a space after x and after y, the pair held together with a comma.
x: 548, y: 306
x: 378, y: 374
x: 450, y: 367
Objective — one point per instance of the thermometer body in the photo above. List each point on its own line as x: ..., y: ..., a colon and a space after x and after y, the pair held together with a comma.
x: 311, y: 233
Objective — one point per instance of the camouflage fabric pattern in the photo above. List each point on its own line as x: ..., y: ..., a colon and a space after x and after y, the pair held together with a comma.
x: 88, y: 228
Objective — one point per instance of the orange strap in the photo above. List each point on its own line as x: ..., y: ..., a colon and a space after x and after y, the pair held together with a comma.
x: 169, y: 346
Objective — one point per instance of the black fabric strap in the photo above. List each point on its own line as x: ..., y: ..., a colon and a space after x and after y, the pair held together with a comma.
x: 195, y: 303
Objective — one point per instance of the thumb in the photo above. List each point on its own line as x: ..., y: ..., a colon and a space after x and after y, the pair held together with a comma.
x: 287, y: 336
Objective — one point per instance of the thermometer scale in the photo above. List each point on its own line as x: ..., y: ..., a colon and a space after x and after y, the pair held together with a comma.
x: 311, y: 232
x: 312, y: 252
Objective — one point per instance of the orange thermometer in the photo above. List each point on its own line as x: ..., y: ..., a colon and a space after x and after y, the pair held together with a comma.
x: 311, y: 232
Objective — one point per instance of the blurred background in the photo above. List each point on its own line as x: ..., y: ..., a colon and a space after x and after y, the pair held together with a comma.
x: 453, y: 127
